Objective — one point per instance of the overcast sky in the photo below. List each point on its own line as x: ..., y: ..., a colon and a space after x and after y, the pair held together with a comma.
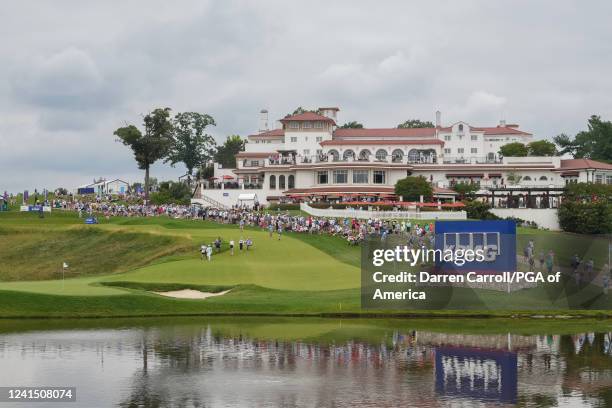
x: 72, y: 72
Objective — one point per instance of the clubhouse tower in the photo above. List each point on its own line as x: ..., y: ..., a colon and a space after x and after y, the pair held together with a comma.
x: 308, y: 156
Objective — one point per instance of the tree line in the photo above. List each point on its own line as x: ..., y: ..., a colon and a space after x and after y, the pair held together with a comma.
x: 181, y: 138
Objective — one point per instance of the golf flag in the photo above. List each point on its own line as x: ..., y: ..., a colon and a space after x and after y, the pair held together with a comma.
x: 65, y: 265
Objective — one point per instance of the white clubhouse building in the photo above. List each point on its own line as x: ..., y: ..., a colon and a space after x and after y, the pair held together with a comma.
x: 308, y: 156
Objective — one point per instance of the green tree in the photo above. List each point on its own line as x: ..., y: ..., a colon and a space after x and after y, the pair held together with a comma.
x: 226, y: 153
x: 299, y: 110
x: 412, y: 188
x: 542, y: 148
x: 415, y: 123
x: 465, y: 189
x: 594, y: 143
x: 352, y: 125
x: 190, y: 145
x: 171, y: 192
x: 515, y: 149
x: 153, y: 144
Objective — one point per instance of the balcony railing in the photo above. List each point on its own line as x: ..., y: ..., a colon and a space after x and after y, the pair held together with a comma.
x: 470, y: 160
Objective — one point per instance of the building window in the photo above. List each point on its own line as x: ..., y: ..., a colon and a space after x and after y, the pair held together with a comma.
x: 348, y: 154
x: 281, y: 182
x: 306, y: 152
x: 474, y: 150
x: 334, y: 154
x: 474, y: 137
x: 294, y: 125
x: 460, y: 150
x: 319, y: 138
x: 319, y: 152
x: 306, y: 125
x: 599, y: 179
x: 609, y: 179
x: 527, y: 178
x: 322, y: 177
x: 379, y: 177
x: 360, y: 177
x: 397, y: 156
x: 340, y: 176
x: 447, y: 151
x: 291, y: 181
x: 447, y: 138
x: 413, y: 156
x: 272, y: 182
x: 543, y: 178
x: 364, y: 154
x: 381, y: 155
x: 293, y: 139
x: 254, y: 163
x: 461, y: 127
x: 318, y: 125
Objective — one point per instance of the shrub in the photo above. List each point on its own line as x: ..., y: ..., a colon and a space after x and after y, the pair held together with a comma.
x: 283, y: 207
x: 586, y: 217
x: 479, y: 211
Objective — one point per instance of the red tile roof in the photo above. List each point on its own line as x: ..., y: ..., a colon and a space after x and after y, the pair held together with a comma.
x: 337, y: 142
x: 273, y: 132
x: 575, y: 164
x: 307, y: 116
x: 391, y: 132
x: 344, y: 189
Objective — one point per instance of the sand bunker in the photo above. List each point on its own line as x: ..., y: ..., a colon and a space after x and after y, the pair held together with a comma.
x: 190, y: 294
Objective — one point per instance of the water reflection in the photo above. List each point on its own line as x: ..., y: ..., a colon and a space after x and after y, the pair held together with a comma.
x: 199, y: 365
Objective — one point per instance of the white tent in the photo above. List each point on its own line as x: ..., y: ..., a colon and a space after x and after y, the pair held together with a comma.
x: 247, y: 198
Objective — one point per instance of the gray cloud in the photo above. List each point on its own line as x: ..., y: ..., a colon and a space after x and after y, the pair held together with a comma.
x: 74, y: 71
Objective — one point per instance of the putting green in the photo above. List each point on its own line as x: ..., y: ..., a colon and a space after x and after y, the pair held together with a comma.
x: 286, y: 264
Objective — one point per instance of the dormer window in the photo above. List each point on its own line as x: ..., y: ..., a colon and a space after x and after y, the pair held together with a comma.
x: 294, y: 125
x: 307, y: 125
x: 460, y: 127
x: 318, y: 125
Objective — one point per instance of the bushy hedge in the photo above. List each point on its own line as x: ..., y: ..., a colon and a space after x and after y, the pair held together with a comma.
x: 478, y: 210
x: 586, y: 217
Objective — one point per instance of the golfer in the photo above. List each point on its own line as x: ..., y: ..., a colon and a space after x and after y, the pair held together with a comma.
x: 241, y: 244
x: 209, y: 252
x: 203, y: 251
x: 232, y: 247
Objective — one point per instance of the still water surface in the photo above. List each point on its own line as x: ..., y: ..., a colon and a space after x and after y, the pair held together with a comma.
x: 310, y: 363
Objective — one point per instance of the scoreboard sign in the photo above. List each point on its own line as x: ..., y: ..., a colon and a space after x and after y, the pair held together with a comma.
x: 496, y: 239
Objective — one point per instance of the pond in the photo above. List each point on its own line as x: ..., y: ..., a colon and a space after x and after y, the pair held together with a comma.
x: 244, y: 362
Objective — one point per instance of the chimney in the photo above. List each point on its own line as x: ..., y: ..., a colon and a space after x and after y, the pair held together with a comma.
x: 263, y: 121
x: 502, y: 123
x: 438, y: 119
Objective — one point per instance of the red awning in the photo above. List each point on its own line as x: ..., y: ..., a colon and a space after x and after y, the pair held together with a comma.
x: 474, y: 175
x: 226, y: 177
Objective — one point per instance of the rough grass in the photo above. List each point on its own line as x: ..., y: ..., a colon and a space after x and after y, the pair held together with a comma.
x: 38, y: 254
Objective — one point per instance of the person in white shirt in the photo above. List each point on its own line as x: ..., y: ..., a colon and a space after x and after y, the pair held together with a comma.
x: 209, y: 251
x: 203, y: 251
x: 231, y: 243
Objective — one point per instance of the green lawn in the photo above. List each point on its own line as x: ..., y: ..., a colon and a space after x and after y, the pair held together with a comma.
x: 114, y: 267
